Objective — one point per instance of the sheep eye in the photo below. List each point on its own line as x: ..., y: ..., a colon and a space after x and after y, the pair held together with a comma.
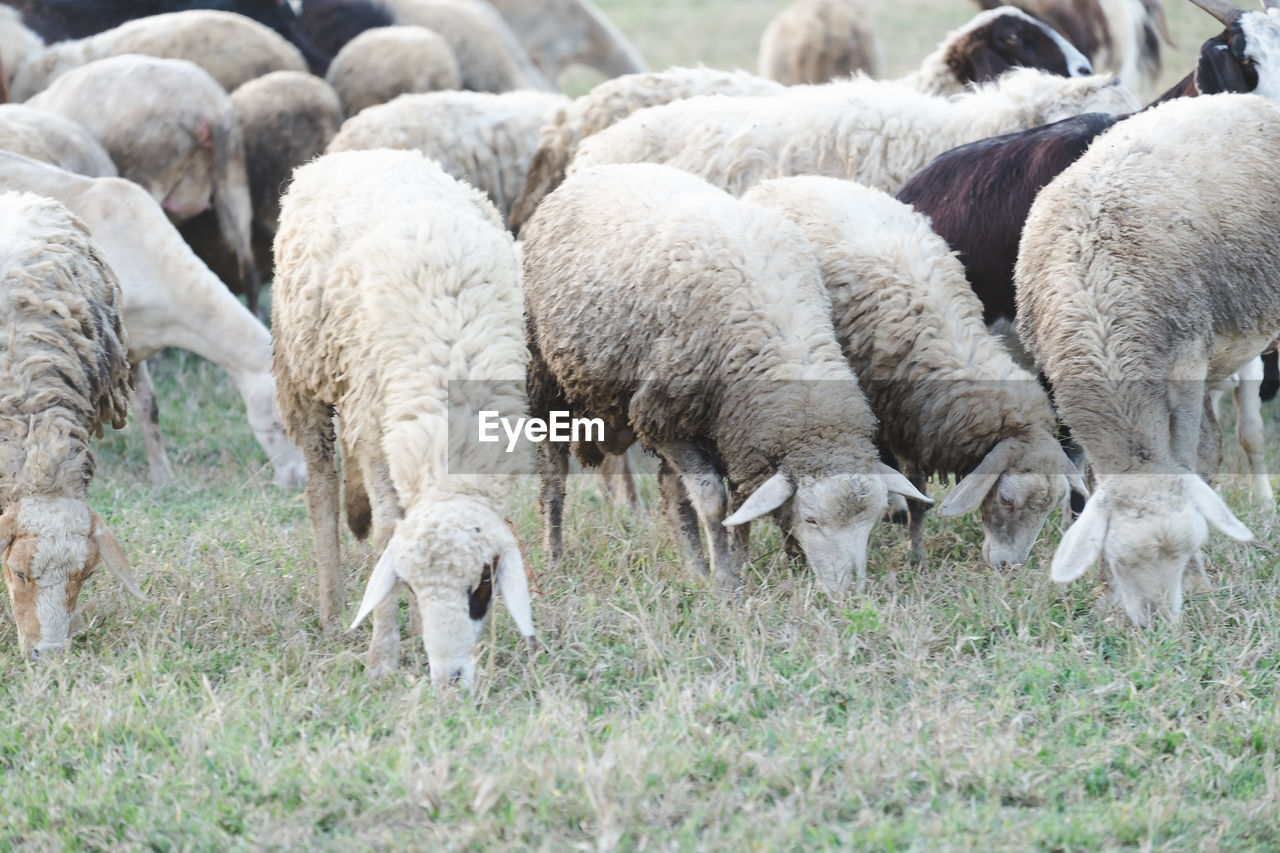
x: 1005, y: 501
x: 810, y: 520
x: 482, y: 594
x: 1011, y: 39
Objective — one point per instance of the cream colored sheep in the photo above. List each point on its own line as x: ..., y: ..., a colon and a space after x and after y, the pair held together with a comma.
x: 233, y: 49
x: 170, y: 299
x: 394, y: 281
x: 877, y: 133
x: 169, y: 127
x: 18, y: 43
x: 384, y: 62
x: 813, y: 41
x: 64, y: 376
x: 53, y: 139
x: 610, y: 102
x: 484, y: 139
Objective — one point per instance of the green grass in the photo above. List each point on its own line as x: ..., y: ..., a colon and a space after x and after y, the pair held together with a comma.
x: 946, y: 707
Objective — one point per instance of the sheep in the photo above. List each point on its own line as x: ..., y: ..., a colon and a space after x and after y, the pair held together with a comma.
x: 1138, y: 279
x: 394, y: 280
x: 484, y: 139
x: 949, y: 399
x: 62, y: 356
x: 873, y: 132
x: 53, y: 139
x: 381, y: 63
x: 169, y: 127
x: 560, y: 33
x: 58, y: 20
x: 699, y: 326
x: 232, y: 48
x: 813, y: 41
x: 170, y: 299
x: 1244, y: 386
x: 489, y: 56
x: 286, y: 119
x: 610, y: 102
x: 17, y: 44
x: 1118, y: 35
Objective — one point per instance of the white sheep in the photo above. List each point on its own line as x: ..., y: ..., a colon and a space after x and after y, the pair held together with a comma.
x: 875, y: 132
x: 169, y: 127
x: 813, y: 41
x: 233, y: 49
x: 949, y: 398
x: 170, y: 299
x: 482, y: 138
x: 490, y: 58
x: 18, y: 43
x: 384, y: 62
x: 612, y: 101
x: 53, y: 139
x: 63, y: 377
x: 699, y: 326
x: 394, y: 280
x: 1147, y: 267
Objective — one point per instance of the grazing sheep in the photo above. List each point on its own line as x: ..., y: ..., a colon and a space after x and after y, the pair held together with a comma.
x: 169, y: 127
x: 700, y: 327
x: 484, y: 139
x: 170, y: 299
x: 58, y: 20
x: 610, y: 102
x: 65, y: 376
x: 560, y: 33
x: 813, y: 41
x: 53, y: 139
x: 876, y: 133
x: 1118, y: 35
x: 949, y: 399
x: 394, y: 280
x: 489, y: 56
x: 286, y: 119
x: 380, y: 64
x: 1140, y: 277
x: 231, y: 48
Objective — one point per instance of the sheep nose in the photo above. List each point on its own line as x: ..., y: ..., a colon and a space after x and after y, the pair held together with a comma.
x: 455, y: 677
x: 34, y: 656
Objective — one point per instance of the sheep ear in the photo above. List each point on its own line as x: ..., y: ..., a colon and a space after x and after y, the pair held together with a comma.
x: 8, y: 526
x: 970, y: 492
x: 514, y: 586
x: 113, y: 558
x: 1081, y: 545
x: 1205, y: 499
x: 897, y: 483
x: 381, y: 583
x: 1075, y: 479
x: 770, y: 495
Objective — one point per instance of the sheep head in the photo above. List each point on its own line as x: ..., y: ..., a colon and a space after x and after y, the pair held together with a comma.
x: 1017, y: 483
x: 451, y: 553
x: 830, y: 516
x: 50, y: 546
x: 1148, y: 529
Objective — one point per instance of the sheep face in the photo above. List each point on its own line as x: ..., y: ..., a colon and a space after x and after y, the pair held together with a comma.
x: 831, y: 518
x: 1148, y: 531
x: 264, y: 419
x: 185, y: 189
x: 50, y: 547
x: 451, y: 554
x: 1006, y: 38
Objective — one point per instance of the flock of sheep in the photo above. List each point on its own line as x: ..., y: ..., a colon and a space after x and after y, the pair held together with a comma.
x: 807, y: 292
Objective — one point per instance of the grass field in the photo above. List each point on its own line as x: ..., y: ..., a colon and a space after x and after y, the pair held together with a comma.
x: 946, y: 707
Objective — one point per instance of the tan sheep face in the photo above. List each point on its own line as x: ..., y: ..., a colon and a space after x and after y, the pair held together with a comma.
x: 832, y: 519
x: 189, y: 184
x: 49, y: 552
x: 1014, y: 512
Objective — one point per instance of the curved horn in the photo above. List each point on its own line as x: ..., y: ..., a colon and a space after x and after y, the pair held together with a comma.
x: 1226, y: 13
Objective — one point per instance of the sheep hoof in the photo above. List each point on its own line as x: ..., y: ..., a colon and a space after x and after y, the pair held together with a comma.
x: 381, y: 666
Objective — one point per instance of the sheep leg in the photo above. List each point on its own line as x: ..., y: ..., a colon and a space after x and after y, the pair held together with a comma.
x: 384, y: 646
x: 683, y: 520
x: 706, y: 490
x: 618, y: 481
x: 322, y: 504
x: 1249, y: 430
x: 148, y: 413
x: 916, y: 510
x: 553, y: 467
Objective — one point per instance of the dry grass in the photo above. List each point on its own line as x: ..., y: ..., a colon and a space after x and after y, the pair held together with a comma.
x: 945, y: 708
